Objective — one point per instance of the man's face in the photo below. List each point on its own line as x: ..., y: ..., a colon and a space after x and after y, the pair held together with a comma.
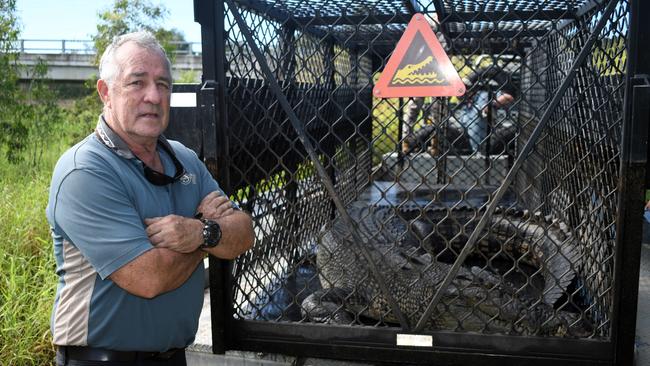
x: 137, y: 101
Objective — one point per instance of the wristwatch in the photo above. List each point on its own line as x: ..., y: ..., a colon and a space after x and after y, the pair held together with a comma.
x: 211, y: 234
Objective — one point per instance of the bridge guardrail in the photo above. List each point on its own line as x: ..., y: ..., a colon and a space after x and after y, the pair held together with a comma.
x: 86, y: 46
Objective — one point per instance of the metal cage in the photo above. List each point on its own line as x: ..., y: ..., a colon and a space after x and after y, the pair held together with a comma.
x: 377, y: 242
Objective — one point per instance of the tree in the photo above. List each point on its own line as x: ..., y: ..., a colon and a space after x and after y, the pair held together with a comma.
x: 122, y: 17
x: 42, y: 112
x: 13, y: 132
x: 133, y: 15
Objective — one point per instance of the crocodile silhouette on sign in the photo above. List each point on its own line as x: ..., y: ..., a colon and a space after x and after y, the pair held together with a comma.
x: 409, y: 74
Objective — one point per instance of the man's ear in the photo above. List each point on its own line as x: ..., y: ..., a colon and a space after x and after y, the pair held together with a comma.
x: 102, y: 90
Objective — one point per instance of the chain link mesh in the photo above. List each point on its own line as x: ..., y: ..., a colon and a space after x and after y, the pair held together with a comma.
x: 543, y: 266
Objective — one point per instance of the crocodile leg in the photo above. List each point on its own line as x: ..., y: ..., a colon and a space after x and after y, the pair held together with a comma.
x: 327, y: 306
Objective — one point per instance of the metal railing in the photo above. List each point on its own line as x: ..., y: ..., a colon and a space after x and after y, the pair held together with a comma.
x: 72, y: 46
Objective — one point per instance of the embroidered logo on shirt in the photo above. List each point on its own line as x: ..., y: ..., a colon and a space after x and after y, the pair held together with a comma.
x: 188, y: 178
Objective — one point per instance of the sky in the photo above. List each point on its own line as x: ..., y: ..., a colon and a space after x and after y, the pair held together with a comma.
x: 77, y: 19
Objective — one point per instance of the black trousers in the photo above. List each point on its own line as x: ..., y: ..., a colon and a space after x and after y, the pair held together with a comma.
x: 67, y: 358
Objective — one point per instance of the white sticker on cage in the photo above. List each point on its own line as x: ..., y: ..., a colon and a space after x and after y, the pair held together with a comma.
x: 414, y: 340
x: 183, y: 100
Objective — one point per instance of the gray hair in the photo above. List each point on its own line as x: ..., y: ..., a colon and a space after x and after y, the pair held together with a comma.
x: 108, y: 66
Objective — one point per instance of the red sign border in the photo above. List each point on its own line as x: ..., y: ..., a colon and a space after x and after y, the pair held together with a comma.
x: 456, y: 86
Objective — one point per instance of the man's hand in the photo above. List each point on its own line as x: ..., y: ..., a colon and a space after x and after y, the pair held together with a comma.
x: 214, y: 206
x: 500, y: 102
x: 180, y: 234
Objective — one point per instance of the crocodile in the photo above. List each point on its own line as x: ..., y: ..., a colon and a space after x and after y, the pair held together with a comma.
x: 477, y: 300
x: 520, y: 236
x: 409, y: 74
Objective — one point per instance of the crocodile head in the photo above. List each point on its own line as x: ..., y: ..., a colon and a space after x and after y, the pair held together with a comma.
x: 410, y: 74
x: 410, y: 70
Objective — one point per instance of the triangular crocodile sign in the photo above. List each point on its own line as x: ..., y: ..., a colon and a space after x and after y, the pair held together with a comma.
x: 419, y: 66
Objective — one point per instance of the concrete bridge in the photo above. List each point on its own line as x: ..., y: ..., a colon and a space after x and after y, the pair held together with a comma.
x: 73, y: 61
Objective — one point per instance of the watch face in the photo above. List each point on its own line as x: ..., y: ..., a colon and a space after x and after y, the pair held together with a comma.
x: 211, y: 234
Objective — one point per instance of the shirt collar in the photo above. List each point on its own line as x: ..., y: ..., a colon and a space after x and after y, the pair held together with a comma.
x: 113, y: 141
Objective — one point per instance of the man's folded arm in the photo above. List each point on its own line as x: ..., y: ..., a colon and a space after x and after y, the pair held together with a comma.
x: 156, y: 271
x: 105, y: 227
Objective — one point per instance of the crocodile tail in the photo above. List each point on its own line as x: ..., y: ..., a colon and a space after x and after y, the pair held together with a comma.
x: 553, y: 249
x: 562, y: 260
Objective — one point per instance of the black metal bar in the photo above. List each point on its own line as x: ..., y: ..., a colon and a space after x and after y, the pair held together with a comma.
x: 633, y: 175
x: 442, y: 21
x: 511, y: 15
x: 287, y: 56
x: 501, y: 37
x: 584, y: 9
x: 272, y: 12
x: 494, y: 201
x: 454, y: 17
x: 498, y: 33
x: 587, y: 7
x: 215, y: 149
x: 413, y: 6
x: 458, y: 44
x: 202, y: 11
x: 223, y: 148
x: 352, y: 20
x: 330, y: 83
x: 357, y: 239
x: 450, y: 348
x: 266, y: 8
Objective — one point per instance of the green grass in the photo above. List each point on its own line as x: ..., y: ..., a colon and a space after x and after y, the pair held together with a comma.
x: 27, y: 283
x: 28, y: 279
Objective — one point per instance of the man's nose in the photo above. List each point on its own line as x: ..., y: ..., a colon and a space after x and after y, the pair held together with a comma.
x: 153, y: 94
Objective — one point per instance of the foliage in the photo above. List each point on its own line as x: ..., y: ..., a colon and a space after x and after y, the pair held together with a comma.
x: 188, y: 77
x: 84, y: 112
x: 34, y: 130
x: 8, y: 57
x: 32, y: 119
x: 133, y: 15
x: 610, y: 56
x: 41, y: 112
x: 28, y: 281
x: 13, y: 132
x: 28, y: 115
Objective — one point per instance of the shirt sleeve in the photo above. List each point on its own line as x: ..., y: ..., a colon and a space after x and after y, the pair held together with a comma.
x: 93, y: 211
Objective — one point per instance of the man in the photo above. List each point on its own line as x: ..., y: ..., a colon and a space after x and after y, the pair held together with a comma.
x: 122, y: 207
x: 477, y: 103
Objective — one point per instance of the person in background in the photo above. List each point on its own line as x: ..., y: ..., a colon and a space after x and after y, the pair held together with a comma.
x: 476, y: 103
x: 132, y: 216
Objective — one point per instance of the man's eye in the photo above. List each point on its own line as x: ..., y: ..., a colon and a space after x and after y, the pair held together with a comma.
x: 164, y: 85
x: 136, y: 82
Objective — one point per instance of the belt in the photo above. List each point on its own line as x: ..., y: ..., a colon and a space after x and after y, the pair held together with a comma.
x: 100, y: 354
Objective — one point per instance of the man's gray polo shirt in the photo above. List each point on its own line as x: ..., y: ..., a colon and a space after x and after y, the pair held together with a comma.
x: 99, y: 199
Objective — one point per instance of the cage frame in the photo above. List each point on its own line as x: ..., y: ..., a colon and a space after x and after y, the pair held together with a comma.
x: 364, y: 344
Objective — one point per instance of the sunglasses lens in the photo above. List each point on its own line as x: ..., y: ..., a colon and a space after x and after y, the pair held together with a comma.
x: 159, y: 179
x: 156, y: 178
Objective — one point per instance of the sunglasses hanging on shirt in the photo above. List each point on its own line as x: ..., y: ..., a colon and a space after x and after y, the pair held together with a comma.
x: 159, y: 179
